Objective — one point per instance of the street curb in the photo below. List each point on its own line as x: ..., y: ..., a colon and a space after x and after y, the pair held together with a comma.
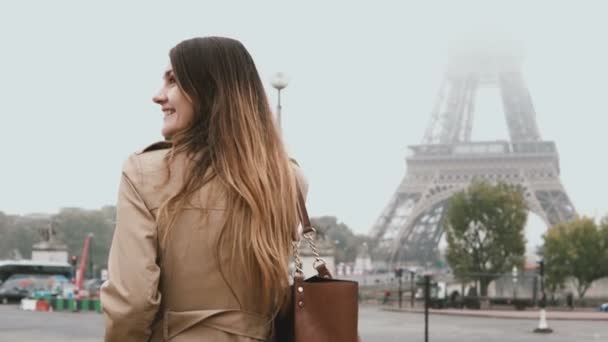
x: 496, y: 315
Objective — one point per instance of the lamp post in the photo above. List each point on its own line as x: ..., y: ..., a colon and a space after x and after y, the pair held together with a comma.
x: 279, y: 82
x: 543, y: 327
x: 514, y: 273
x: 412, y: 291
x: 427, y: 300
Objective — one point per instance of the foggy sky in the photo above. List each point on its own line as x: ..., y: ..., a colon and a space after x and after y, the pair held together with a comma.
x: 77, y: 82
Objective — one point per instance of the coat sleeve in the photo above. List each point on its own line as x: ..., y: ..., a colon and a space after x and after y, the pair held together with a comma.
x: 131, y: 297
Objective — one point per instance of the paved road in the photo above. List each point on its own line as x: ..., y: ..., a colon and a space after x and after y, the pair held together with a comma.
x: 28, y: 326
x: 375, y: 325
x: 387, y: 326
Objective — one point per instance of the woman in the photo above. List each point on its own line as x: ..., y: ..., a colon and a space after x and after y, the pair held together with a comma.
x: 205, y: 218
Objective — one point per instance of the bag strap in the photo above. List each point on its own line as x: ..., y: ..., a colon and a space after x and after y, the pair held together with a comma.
x: 319, y: 264
x: 304, y: 219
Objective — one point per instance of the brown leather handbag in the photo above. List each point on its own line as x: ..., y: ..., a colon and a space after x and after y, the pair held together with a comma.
x: 320, y: 309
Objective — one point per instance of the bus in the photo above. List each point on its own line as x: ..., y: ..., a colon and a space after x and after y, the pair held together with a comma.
x: 12, y: 267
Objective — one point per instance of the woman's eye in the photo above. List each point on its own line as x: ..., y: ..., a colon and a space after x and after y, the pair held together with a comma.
x: 171, y: 80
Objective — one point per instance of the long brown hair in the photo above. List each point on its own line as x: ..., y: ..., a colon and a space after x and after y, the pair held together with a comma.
x: 234, y: 138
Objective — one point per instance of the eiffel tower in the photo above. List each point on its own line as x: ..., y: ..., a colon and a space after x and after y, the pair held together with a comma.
x: 409, y: 229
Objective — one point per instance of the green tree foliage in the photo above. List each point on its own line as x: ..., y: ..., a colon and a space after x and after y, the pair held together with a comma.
x: 577, y: 249
x: 604, y: 235
x: 556, y: 274
x: 346, y: 243
x: 18, y: 233
x: 484, y: 227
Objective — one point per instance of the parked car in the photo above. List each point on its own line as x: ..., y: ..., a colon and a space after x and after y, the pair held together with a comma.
x: 12, y: 294
x: 604, y: 307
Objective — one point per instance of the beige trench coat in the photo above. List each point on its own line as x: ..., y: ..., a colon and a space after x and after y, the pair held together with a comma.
x: 174, y: 292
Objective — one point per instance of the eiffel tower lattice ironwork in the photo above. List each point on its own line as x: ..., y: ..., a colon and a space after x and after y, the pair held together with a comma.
x: 409, y: 229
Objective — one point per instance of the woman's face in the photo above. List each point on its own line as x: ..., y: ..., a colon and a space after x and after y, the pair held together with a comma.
x: 177, y: 108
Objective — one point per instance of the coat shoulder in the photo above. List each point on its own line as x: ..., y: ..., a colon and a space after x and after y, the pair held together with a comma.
x: 159, y: 145
x: 146, y: 161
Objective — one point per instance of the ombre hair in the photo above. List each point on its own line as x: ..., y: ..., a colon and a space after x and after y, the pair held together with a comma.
x: 233, y: 138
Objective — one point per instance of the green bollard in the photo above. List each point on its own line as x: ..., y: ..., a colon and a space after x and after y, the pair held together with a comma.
x: 53, y: 302
x: 84, y: 304
x: 97, y: 305
x: 72, y: 305
x: 59, y: 304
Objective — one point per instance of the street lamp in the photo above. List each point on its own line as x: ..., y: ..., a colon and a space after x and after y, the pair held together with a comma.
x: 427, y: 300
x: 279, y: 82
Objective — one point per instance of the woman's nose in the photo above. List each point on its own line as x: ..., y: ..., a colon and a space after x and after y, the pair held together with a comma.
x: 160, y: 97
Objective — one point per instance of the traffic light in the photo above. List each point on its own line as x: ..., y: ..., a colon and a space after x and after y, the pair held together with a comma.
x: 541, y: 267
x: 74, y: 260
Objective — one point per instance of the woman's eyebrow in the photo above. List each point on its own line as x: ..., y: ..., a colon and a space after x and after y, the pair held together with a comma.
x: 168, y: 74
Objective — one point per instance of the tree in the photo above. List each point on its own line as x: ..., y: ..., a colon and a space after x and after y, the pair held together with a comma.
x: 577, y: 249
x: 19, y: 234
x: 484, y: 227
x: 556, y: 269
x: 604, y: 234
x: 346, y: 243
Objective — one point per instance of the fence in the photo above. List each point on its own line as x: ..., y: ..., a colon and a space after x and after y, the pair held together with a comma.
x: 504, y: 291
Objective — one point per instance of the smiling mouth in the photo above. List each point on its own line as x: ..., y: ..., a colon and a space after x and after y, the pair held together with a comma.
x: 169, y: 112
